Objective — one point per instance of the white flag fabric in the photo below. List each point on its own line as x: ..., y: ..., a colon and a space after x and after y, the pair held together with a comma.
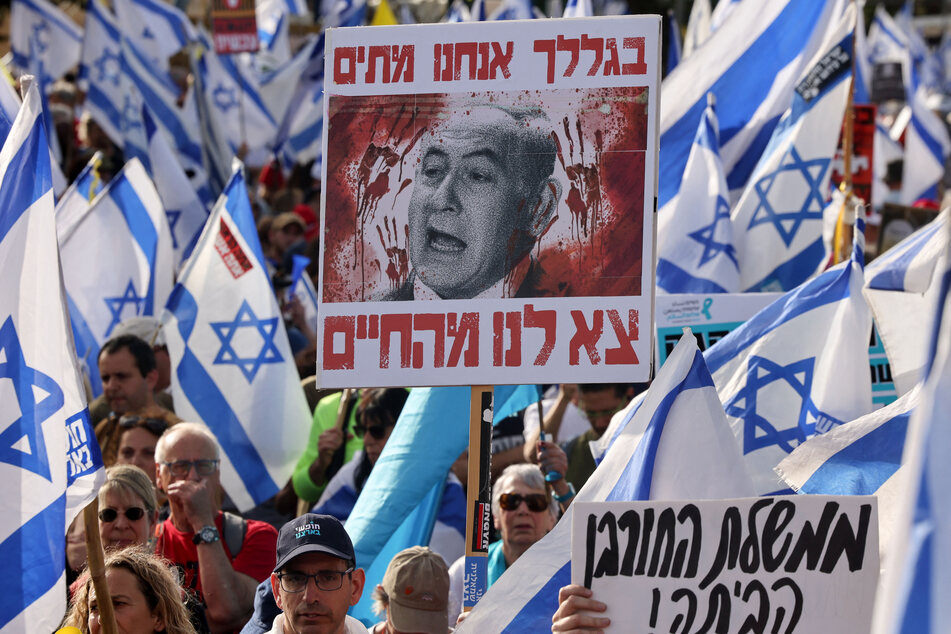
x: 698, y: 27
x: 117, y: 260
x: 676, y: 446
x: 578, y: 9
x: 778, y: 219
x: 275, y: 87
x: 50, y: 464
x: 796, y: 368
x: 74, y: 202
x: 100, y: 70
x: 916, y: 586
x: 301, y: 134
x: 232, y: 364
x: 158, y: 28
x: 695, y: 250
x: 902, y: 285
x: 38, y: 29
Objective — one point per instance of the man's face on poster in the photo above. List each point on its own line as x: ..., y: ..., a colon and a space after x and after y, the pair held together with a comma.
x: 473, y: 213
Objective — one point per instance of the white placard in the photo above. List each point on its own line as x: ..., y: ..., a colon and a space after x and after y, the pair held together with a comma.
x: 790, y: 564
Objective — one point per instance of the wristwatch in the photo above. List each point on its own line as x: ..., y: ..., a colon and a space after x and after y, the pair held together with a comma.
x: 206, y: 535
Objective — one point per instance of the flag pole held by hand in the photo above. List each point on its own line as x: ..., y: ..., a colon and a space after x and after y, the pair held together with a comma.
x: 97, y: 569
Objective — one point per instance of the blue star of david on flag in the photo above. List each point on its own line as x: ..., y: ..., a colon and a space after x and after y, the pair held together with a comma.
x: 41, y: 36
x: 108, y: 65
x: 706, y: 236
x: 147, y: 34
x: 224, y: 98
x: 22, y: 443
x: 758, y: 432
x: 248, y: 365
x: 116, y: 304
x: 173, y: 215
x: 785, y: 216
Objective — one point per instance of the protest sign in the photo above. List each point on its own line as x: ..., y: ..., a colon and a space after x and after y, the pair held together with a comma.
x: 710, y: 317
x: 791, y: 564
x: 507, y: 167
x: 863, y: 153
x: 234, y: 27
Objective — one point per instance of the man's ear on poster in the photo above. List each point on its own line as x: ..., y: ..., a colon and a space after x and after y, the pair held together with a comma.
x: 543, y: 208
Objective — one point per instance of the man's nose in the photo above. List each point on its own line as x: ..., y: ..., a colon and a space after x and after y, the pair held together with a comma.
x: 311, y: 591
x: 446, y: 197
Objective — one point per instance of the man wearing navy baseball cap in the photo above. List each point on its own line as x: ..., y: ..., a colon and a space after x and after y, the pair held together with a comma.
x: 315, y: 580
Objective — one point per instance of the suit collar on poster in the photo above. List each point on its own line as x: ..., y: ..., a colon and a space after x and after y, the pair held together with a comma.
x: 508, y: 286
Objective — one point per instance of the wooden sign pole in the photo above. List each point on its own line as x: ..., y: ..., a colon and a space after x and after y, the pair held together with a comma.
x: 478, y: 496
x: 96, y: 567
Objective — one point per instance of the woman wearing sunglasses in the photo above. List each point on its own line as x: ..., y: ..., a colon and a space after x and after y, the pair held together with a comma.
x: 127, y: 508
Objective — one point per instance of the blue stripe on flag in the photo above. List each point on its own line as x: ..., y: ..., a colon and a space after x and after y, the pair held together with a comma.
x: 830, y: 287
x: 747, y: 163
x: 917, y: 605
x: 635, y: 482
x: 535, y: 615
x: 173, y: 18
x: 239, y: 206
x: 35, y: 554
x: 213, y: 408
x: 893, y: 277
x: 674, y: 279
x: 793, y: 271
x: 65, y: 25
x: 25, y: 180
x: 142, y: 229
x: 934, y: 147
x: 850, y: 472
x: 87, y: 348
x: 738, y: 96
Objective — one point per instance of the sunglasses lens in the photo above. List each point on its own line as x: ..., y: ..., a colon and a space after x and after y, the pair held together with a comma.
x: 108, y: 515
x: 536, y: 502
x: 134, y: 513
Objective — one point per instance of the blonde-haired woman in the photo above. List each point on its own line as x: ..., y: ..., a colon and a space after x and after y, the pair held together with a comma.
x: 145, y: 594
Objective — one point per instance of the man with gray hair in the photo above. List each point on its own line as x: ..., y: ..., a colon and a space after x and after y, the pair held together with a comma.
x: 523, y: 512
x: 222, y: 572
x: 483, y: 196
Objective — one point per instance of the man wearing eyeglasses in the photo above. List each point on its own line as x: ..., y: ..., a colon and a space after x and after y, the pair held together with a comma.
x: 187, y: 471
x: 315, y: 580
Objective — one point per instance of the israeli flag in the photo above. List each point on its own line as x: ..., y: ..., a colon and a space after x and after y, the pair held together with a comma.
x: 863, y: 70
x: 274, y: 87
x: 185, y: 213
x: 50, y: 464
x: 698, y: 27
x: 9, y: 99
x: 902, y: 285
x: 778, y: 219
x: 274, y: 36
x: 234, y: 100
x: 158, y: 28
x: 42, y: 34
x: 117, y: 259
x: 578, y: 9
x: 100, y: 70
x: 677, y: 446
x: 751, y: 65
x: 722, y: 11
x: 917, y: 582
x: 72, y: 205
x: 673, y: 42
x: 300, y: 137
x: 695, y: 251
x: 796, y: 368
x: 514, y: 10
x: 232, y: 364
x: 302, y: 287
x: 458, y: 12
x: 292, y: 7
x: 343, y: 12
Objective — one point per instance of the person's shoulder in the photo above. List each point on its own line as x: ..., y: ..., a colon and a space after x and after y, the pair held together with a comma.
x: 261, y: 530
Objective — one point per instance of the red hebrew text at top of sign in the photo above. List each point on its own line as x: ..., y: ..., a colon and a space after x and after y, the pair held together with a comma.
x: 394, y: 62
x: 462, y: 331
x: 482, y: 60
x: 602, y: 53
x: 230, y: 251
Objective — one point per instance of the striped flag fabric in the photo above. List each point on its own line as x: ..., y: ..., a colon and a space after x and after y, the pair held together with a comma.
x: 74, y: 202
x: 917, y: 582
x: 50, y: 464
x: 695, y: 250
x: 300, y: 136
x: 678, y: 446
x: 578, y: 9
x: 158, y: 28
x: 674, y: 46
x: 902, y: 285
x: 100, y: 70
x: 778, y: 219
x: 698, y: 27
x: 232, y: 366
x: 40, y: 33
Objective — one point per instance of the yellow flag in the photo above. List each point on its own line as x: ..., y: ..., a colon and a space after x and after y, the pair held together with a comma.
x: 384, y: 15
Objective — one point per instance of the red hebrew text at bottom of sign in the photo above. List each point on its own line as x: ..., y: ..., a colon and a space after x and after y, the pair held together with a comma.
x: 230, y: 251
x: 589, y: 338
x: 238, y: 42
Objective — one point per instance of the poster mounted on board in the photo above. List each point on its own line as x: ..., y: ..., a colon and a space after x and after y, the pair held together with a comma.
x: 488, y: 198
x: 797, y: 564
x: 234, y: 27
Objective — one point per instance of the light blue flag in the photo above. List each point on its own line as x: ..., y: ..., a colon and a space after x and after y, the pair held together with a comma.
x: 232, y: 366
x: 796, y: 368
x: 777, y: 223
x: 127, y: 221
x: 50, y: 464
x: 674, y: 46
x: 42, y: 34
x: 750, y: 64
x: 511, y: 399
x: 678, y: 446
x: 695, y: 251
x: 158, y: 28
x: 917, y: 581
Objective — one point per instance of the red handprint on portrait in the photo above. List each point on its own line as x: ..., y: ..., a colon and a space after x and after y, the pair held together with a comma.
x: 397, y: 257
x: 584, y: 179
